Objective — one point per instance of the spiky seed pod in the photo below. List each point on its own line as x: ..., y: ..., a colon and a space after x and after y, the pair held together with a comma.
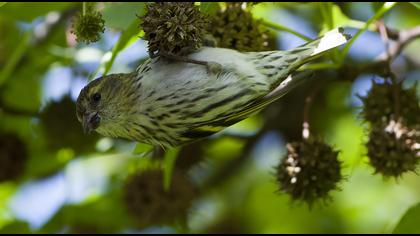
x: 379, y: 105
x: 150, y: 204
x: 394, y: 149
x: 13, y: 156
x: 88, y: 27
x: 309, y: 171
x: 234, y: 27
x: 63, y: 130
x: 173, y: 27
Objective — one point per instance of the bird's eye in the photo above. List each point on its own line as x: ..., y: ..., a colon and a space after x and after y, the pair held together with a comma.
x: 96, y: 97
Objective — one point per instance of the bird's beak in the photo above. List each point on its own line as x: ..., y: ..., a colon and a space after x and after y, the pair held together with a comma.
x: 90, y: 122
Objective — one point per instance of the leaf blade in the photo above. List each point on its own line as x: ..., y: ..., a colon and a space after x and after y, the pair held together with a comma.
x: 125, y: 40
x: 416, y: 4
x: 15, y: 58
x: 169, y: 163
x: 408, y: 224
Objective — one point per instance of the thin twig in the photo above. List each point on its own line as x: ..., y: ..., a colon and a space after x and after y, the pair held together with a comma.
x: 402, y: 39
x: 398, y: 41
x: 286, y: 29
x: 308, y: 102
x: 389, y: 57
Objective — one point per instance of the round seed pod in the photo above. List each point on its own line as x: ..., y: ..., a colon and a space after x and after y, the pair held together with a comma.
x: 13, y: 156
x: 173, y: 27
x: 309, y: 171
x: 394, y: 149
x: 62, y: 129
x: 235, y: 28
x: 379, y: 105
x: 89, y: 27
x: 147, y: 200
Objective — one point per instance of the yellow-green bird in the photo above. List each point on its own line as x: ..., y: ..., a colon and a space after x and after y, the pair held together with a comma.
x: 170, y: 103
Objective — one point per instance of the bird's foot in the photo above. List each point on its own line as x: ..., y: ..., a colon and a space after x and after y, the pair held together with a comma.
x: 180, y: 58
x: 212, y: 67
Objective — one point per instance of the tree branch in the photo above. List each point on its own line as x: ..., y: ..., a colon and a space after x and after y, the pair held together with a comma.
x: 306, y: 108
x: 398, y: 40
x: 401, y: 40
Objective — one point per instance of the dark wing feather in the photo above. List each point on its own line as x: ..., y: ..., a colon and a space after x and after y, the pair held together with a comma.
x: 217, y: 125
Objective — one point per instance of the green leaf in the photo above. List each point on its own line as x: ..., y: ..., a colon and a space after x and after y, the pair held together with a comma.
x: 106, y: 215
x: 27, y: 11
x: 23, y: 81
x: 333, y: 17
x: 326, y: 12
x: 142, y: 148
x: 338, y: 17
x: 284, y: 28
x: 416, y: 4
x: 169, y: 163
x: 19, y: 51
x: 376, y: 6
x: 16, y: 227
x: 409, y: 223
x: 2, y: 3
x: 7, y: 190
x: 129, y: 36
x: 117, y: 14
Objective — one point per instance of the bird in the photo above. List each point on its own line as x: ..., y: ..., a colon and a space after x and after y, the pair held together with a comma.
x: 170, y: 103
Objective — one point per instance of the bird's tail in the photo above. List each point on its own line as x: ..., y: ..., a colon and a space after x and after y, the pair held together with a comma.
x: 329, y: 40
x: 279, y: 64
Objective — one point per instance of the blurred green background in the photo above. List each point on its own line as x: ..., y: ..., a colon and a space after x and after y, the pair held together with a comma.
x: 61, y: 180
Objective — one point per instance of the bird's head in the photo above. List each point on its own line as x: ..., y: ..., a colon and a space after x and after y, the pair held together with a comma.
x: 101, y: 103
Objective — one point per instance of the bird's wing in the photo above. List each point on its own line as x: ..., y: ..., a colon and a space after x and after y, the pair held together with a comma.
x: 206, y: 128
x: 275, y: 66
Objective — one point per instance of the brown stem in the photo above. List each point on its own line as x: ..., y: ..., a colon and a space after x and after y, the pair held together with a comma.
x: 308, y: 102
x: 389, y: 57
x: 400, y: 39
x: 396, y: 94
x: 384, y: 35
x: 305, y: 131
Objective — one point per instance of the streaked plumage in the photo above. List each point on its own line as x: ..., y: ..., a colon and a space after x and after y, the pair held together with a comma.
x: 170, y: 103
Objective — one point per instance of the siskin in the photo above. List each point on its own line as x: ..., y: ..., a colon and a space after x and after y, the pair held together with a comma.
x: 172, y: 103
